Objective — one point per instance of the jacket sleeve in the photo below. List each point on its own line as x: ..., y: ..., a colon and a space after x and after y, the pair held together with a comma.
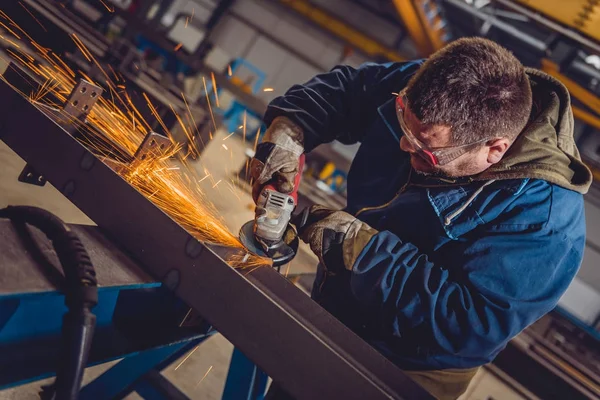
x: 475, y: 299
x: 342, y: 103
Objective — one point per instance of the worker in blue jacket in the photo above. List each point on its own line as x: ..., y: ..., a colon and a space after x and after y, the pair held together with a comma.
x: 465, y: 217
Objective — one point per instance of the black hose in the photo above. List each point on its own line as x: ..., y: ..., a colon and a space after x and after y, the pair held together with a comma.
x: 81, y: 295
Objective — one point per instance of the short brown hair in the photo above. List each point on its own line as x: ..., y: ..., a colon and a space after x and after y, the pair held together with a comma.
x: 476, y: 87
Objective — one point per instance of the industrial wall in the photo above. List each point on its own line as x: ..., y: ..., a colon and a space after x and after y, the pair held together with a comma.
x: 286, y: 47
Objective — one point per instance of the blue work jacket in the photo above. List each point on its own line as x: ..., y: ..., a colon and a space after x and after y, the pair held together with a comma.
x: 459, y: 267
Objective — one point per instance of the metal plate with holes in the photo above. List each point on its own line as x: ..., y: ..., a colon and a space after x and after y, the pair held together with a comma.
x: 153, y: 143
x: 29, y: 175
x: 82, y: 99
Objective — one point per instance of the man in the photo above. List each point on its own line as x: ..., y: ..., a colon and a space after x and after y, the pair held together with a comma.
x: 465, y: 219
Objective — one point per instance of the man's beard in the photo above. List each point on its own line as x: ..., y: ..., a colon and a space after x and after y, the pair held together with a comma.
x: 463, y: 169
x: 434, y: 173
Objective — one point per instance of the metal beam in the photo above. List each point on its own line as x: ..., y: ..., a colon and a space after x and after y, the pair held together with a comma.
x: 70, y: 23
x: 409, y: 14
x: 141, y: 26
x: 589, y: 99
x: 537, y: 17
x: 586, y: 117
x: 507, y: 28
x: 340, y: 29
x: 309, y: 352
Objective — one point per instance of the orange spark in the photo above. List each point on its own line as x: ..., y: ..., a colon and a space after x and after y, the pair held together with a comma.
x: 205, y: 375
x: 81, y: 47
x: 114, y: 73
x: 111, y: 129
x: 214, y: 82
x: 207, y: 175
x: 244, y: 127
x: 178, y: 46
x: 256, y: 139
x: 187, y: 106
x: 65, y: 66
x: 186, y: 131
x: 215, y: 185
x: 225, y: 147
x: 229, y: 70
x: 33, y: 16
x: 268, y: 89
x: 10, y: 30
x: 112, y: 10
x: 186, y: 357
x: 212, y: 116
x: 10, y: 41
x: 228, y: 136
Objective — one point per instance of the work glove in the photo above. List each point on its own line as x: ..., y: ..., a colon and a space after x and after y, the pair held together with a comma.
x: 336, y: 237
x: 277, y: 157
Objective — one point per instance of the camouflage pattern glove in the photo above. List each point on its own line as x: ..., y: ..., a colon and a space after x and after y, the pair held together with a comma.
x: 336, y: 237
x: 276, y: 158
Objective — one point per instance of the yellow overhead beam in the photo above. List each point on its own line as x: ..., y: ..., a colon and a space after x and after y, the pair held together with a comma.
x: 585, y: 96
x: 586, y: 117
x: 428, y: 35
x: 412, y: 22
x: 335, y: 26
x: 583, y: 15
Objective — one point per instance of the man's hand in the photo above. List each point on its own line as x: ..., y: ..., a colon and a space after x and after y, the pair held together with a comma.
x: 336, y: 237
x: 276, y: 158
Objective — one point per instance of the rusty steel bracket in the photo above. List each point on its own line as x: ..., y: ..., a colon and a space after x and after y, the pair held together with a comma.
x: 82, y: 99
x: 153, y: 144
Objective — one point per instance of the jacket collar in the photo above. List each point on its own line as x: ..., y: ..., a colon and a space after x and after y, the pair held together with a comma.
x: 387, y: 112
x: 461, y: 208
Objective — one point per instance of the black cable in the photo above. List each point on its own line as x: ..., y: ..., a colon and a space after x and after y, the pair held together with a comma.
x: 81, y: 295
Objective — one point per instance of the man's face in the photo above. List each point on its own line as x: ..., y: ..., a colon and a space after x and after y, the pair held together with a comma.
x: 471, y: 163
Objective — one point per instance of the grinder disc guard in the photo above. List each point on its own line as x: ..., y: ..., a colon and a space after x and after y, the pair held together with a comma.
x: 281, y: 253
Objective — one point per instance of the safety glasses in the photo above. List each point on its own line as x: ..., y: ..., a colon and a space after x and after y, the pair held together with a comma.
x: 437, y: 156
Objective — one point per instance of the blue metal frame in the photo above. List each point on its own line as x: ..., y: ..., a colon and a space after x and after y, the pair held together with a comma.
x: 122, y: 378
x: 33, y: 320
x: 245, y: 381
x: 233, y: 116
x: 138, y: 322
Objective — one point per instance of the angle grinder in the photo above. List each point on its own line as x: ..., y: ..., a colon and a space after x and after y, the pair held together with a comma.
x: 270, y: 234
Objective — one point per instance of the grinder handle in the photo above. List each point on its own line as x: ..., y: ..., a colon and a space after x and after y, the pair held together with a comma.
x: 297, y: 178
x: 300, y: 220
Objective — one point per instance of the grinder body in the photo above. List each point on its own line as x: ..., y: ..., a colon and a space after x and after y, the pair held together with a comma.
x: 270, y: 233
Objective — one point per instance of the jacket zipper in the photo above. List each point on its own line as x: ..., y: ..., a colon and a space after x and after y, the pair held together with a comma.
x: 402, y: 189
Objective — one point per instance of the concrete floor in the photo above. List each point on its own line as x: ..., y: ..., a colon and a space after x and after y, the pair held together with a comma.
x: 235, y: 208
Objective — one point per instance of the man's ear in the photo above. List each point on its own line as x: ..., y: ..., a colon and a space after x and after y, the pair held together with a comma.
x: 496, y: 149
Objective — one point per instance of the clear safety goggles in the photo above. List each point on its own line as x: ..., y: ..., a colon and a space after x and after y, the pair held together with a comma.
x: 434, y: 156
